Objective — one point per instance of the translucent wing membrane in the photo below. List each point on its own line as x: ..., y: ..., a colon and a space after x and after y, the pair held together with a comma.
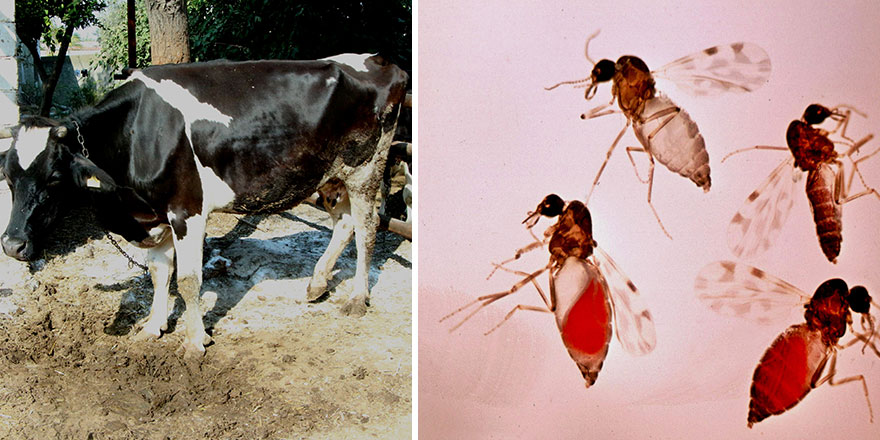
x: 632, y: 320
x: 737, y: 67
x: 756, y: 225
x: 747, y: 292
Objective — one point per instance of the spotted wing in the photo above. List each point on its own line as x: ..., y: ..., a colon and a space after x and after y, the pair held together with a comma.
x: 632, y: 320
x: 756, y: 225
x: 747, y: 292
x: 672, y: 137
x: 737, y: 67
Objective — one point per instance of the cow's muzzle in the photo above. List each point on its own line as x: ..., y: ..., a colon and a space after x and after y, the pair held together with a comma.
x: 16, y: 247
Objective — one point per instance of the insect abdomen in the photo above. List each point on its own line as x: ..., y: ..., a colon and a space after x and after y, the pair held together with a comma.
x: 786, y: 373
x: 826, y: 210
x: 583, y: 315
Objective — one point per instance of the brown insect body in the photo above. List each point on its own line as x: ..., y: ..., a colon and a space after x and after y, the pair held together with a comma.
x: 793, y: 364
x: 633, y: 85
x: 814, y: 153
x: 826, y: 208
x: 572, y: 235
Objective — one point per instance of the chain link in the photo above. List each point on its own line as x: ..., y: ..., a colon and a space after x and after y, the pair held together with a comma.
x: 79, y: 137
x: 131, y: 261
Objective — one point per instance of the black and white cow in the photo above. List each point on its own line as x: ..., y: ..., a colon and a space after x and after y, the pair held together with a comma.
x: 176, y: 142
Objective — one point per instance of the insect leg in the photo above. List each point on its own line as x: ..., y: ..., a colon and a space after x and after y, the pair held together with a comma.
x: 518, y: 307
x: 629, y: 151
x: 599, y: 111
x: 550, y: 304
x: 485, y: 300
x: 587, y: 46
x: 650, y: 188
x: 756, y: 147
x: 519, y: 252
x: 855, y: 162
x: 832, y: 370
x: 607, y: 156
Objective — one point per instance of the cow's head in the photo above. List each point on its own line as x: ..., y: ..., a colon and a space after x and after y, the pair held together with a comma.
x: 42, y: 172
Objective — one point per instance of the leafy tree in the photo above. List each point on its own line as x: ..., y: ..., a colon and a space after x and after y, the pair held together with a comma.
x: 53, y: 23
x: 272, y: 29
x: 113, y: 37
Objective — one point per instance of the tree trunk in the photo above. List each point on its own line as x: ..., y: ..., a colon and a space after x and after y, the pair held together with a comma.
x: 169, y: 34
x: 52, y: 82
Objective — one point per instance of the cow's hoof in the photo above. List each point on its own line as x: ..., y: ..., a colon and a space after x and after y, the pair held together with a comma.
x: 191, y: 350
x: 356, y: 307
x: 315, y: 291
x: 147, y: 334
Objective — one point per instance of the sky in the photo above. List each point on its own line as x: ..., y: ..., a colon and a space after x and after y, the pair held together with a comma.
x: 492, y: 143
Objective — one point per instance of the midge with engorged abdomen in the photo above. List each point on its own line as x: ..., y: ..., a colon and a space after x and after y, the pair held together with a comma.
x: 177, y: 142
x: 794, y: 363
x: 586, y: 289
x: 756, y: 225
x: 665, y: 131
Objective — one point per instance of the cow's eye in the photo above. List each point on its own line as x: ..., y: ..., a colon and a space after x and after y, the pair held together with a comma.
x: 55, y: 179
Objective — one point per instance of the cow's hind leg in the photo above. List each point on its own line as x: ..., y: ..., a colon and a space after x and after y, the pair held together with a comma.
x: 365, y: 219
x: 160, y: 260
x: 343, y: 227
x: 189, y: 239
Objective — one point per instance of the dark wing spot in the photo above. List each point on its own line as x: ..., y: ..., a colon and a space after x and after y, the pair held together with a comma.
x: 630, y: 285
x: 758, y: 273
x: 711, y: 51
x: 754, y: 195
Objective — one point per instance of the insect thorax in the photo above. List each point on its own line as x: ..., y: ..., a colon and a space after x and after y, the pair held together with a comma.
x: 810, y: 146
x: 828, y: 310
x: 633, y: 85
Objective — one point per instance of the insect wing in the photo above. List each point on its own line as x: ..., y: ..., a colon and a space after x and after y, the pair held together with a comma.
x: 632, y: 320
x: 747, y: 292
x: 756, y: 225
x: 673, y: 138
x: 737, y: 67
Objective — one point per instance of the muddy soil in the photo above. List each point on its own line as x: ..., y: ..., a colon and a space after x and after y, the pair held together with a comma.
x: 279, y: 367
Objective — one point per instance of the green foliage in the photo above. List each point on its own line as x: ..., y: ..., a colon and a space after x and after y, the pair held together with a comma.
x: 34, y: 19
x: 273, y: 29
x: 113, y: 37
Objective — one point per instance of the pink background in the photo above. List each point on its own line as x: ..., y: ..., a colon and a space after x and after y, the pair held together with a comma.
x: 492, y: 143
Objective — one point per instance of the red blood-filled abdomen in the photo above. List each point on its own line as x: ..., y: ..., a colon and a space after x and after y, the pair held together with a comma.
x: 787, y: 372
x: 583, y: 315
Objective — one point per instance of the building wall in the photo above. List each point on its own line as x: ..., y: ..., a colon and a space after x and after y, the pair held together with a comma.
x: 8, y: 65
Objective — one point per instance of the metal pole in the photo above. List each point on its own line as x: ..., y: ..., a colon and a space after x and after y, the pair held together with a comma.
x: 132, y: 42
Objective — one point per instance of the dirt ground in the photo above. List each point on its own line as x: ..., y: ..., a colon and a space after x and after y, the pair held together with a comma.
x: 279, y: 367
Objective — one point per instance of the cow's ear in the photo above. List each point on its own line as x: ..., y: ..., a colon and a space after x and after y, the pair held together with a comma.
x: 88, y: 175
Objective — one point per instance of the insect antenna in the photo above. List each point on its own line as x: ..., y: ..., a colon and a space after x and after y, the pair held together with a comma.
x: 587, y: 46
x: 574, y: 81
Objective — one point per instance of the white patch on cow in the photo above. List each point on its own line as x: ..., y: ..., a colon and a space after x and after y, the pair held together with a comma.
x: 357, y: 61
x: 178, y: 97
x: 31, y: 142
x: 330, y: 81
x: 216, y: 193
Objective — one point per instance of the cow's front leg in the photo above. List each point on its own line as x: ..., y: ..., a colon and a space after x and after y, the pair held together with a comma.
x: 189, y: 239
x: 160, y: 261
x: 365, y: 221
x: 343, y: 228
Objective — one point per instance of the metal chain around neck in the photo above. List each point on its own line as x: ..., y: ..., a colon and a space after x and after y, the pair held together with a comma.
x: 79, y: 137
x: 85, y: 153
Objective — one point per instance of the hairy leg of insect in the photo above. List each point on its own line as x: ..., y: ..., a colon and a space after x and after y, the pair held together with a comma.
x: 832, y: 370
x: 650, y: 188
x: 599, y: 111
x: 489, y: 299
x: 519, y: 252
x: 866, y: 338
x: 518, y: 307
x: 607, y: 156
x: 855, y: 162
x: 550, y: 304
x: 841, y: 190
x: 756, y: 147
x: 629, y: 151
x: 842, y: 123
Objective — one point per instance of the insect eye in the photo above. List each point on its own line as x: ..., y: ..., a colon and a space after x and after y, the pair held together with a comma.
x: 552, y: 206
x: 603, y: 71
x: 816, y: 114
x: 859, y: 300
